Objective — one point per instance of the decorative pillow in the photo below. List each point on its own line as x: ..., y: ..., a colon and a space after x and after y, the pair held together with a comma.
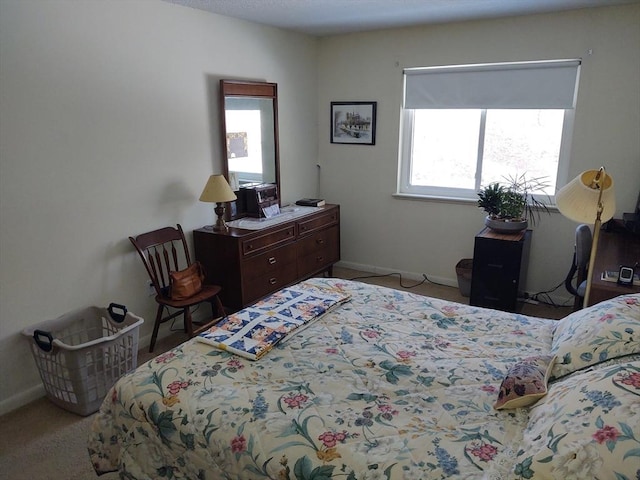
x: 586, y: 427
x: 605, y: 330
x: 525, y: 383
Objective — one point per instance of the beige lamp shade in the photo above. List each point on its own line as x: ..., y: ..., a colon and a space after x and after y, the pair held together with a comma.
x: 217, y: 190
x: 578, y: 199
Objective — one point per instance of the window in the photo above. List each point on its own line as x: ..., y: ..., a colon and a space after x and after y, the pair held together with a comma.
x: 466, y: 126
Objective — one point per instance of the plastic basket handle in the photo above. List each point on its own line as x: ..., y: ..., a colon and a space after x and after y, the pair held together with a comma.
x: 117, y: 317
x: 47, y: 345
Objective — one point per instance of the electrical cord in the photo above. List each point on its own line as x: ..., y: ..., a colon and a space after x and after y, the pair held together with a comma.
x: 434, y: 283
x: 544, y: 297
x: 540, y: 297
x: 425, y: 279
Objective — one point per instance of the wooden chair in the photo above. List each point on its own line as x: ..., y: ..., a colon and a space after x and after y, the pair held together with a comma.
x: 166, y: 250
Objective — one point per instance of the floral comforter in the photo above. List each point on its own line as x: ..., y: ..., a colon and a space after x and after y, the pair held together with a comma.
x: 391, y: 385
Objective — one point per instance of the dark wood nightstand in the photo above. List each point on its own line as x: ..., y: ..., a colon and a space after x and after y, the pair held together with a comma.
x: 499, y: 269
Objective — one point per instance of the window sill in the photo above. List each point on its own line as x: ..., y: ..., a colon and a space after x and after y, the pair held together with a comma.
x: 444, y: 199
x: 434, y: 198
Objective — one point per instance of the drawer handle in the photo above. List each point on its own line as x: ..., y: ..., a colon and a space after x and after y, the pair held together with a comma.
x: 249, y: 247
x: 272, y: 260
x: 494, y: 265
x: 319, y: 259
x: 273, y: 281
x: 320, y: 241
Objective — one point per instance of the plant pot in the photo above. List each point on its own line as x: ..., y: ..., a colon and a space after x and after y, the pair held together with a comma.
x: 505, y: 226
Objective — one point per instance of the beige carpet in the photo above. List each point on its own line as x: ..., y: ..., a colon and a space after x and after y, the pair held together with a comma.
x: 41, y: 441
x: 44, y: 442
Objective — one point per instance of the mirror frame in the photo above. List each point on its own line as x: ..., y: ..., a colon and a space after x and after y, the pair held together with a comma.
x: 240, y: 88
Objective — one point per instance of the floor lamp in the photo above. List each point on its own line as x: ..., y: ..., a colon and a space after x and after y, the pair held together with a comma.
x: 590, y: 195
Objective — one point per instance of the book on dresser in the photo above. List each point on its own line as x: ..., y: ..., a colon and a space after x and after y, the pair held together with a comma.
x: 311, y: 202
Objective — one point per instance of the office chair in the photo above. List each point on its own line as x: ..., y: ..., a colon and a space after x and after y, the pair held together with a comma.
x: 580, y: 265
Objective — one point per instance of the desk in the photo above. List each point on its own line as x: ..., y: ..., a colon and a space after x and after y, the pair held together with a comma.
x: 614, y: 249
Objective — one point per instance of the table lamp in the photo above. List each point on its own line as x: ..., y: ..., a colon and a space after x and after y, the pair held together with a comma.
x: 218, y: 191
x: 588, y: 198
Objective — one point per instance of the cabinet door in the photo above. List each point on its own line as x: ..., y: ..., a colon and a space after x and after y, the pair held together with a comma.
x: 496, y: 274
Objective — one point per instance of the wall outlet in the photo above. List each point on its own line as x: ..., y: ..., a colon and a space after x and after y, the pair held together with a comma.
x: 151, y: 291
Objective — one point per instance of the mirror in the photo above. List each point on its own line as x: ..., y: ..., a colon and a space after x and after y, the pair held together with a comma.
x: 249, y: 112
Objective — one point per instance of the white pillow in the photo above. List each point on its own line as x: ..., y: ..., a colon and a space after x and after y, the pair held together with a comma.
x: 597, y: 333
x: 587, y: 426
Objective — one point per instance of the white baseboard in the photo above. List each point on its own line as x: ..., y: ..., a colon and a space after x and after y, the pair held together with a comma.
x: 22, y: 398
x: 559, y: 298
x: 449, y: 282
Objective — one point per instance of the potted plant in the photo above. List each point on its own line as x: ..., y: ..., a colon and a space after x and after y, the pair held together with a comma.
x: 511, y: 205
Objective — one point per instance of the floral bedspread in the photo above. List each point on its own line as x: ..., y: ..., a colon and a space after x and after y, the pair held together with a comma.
x: 391, y: 385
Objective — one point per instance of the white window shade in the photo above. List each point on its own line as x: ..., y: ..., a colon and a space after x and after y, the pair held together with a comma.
x: 538, y: 85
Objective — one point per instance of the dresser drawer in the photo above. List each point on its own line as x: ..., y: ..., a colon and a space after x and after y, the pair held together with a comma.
x: 268, y: 263
x: 318, y: 250
x: 318, y: 240
x: 275, y: 238
x: 262, y: 285
x: 306, y: 227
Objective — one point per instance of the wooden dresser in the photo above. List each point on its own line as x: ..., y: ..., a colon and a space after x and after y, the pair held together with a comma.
x: 250, y: 264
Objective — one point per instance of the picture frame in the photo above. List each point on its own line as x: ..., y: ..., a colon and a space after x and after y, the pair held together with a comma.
x: 353, y: 123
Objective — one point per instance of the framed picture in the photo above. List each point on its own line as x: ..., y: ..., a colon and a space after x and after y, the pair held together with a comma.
x: 353, y: 122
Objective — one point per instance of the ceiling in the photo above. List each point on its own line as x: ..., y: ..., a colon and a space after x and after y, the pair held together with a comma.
x: 329, y: 17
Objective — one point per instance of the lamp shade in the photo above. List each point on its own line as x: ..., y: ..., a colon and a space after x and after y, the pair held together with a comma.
x: 217, y: 190
x: 578, y: 200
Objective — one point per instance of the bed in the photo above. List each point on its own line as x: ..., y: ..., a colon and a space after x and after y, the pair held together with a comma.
x: 389, y: 385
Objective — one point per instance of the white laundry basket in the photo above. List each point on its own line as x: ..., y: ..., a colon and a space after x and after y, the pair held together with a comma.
x: 80, y: 355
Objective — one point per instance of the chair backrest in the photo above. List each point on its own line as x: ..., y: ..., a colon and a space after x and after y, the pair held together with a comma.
x: 583, y: 250
x: 580, y: 263
x: 162, y: 251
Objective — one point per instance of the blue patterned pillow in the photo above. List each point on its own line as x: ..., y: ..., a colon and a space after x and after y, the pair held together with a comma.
x: 597, y: 333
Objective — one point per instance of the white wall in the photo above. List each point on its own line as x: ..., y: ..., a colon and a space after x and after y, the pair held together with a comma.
x: 109, y: 128
x: 417, y: 237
